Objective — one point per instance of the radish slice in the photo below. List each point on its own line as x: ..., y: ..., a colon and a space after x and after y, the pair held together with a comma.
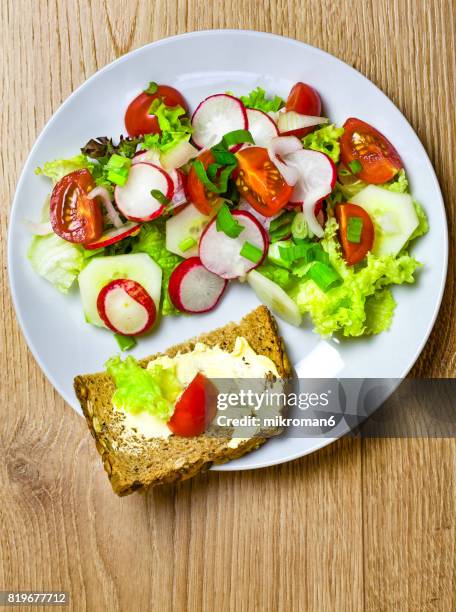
x: 290, y: 121
x: 151, y: 156
x: 126, y: 307
x: 179, y: 181
x: 114, y: 235
x: 111, y: 212
x: 317, y: 177
x: 178, y: 156
x: 284, y: 145
x: 216, y: 116
x: 135, y: 200
x: 221, y: 254
x: 261, y: 126
x: 192, y: 288
x: 275, y: 298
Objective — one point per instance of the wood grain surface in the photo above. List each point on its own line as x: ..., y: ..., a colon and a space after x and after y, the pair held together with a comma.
x: 360, y: 525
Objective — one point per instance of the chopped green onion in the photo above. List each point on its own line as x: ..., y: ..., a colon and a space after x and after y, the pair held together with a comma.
x: 354, y: 229
x: 237, y: 137
x: 118, y: 168
x: 223, y: 178
x: 186, y: 244
x: 280, y: 233
x: 284, y: 219
x: 125, y: 342
x: 300, y: 228
x: 228, y: 224
x: 212, y: 170
x: 324, y: 276
x: 251, y: 252
x: 291, y: 253
x: 355, y: 166
x: 222, y: 156
x: 159, y: 196
x: 152, y: 88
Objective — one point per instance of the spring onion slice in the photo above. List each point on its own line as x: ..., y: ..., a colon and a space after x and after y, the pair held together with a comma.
x: 251, y: 252
x: 355, y: 166
x: 210, y: 185
x: 186, y: 244
x: 227, y: 224
x: 324, y: 276
x: 159, y: 196
x: 237, y: 137
x: 125, y: 342
x: 354, y: 229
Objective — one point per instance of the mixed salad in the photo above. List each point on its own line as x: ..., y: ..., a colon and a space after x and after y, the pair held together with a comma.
x: 317, y: 219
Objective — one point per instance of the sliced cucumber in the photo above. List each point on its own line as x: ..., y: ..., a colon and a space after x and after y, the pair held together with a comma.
x: 393, y: 215
x: 189, y: 223
x: 102, y: 270
x: 274, y: 297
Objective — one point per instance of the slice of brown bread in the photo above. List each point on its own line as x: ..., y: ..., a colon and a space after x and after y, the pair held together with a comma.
x: 135, y: 462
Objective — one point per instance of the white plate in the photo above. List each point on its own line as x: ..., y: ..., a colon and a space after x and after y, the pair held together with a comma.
x: 199, y: 64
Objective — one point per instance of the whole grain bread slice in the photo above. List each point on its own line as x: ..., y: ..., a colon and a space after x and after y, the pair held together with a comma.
x: 133, y: 462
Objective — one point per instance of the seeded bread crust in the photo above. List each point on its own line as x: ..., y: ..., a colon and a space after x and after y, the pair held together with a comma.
x: 133, y: 462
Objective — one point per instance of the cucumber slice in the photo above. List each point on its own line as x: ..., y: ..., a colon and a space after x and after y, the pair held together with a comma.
x: 102, y: 270
x: 393, y: 215
x: 275, y: 298
x: 189, y: 223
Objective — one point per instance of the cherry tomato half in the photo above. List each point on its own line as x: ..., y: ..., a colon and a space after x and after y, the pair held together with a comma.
x: 303, y: 99
x: 74, y: 216
x: 205, y: 201
x: 137, y: 118
x: 354, y: 252
x: 260, y: 182
x: 195, y: 408
x: 379, y: 160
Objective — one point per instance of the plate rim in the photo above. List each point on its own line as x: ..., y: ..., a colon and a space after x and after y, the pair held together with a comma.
x: 231, y: 466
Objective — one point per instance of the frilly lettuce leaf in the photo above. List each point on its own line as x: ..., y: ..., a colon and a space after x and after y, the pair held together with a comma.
x: 56, y: 260
x: 137, y: 389
x: 175, y: 126
x: 325, y: 140
x: 257, y: 99
x: 346, y: 308
x: 59, y: 168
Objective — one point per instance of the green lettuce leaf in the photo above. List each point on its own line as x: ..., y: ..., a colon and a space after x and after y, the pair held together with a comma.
x: 137, y: 389
x: 175, y: 127
x: 257, y: 99
x: 343, y: 309
x: 423, y: 224
x: 379, y: 311
x: 326, y: 140
x: 399, y: 183
x: 151, y: 240
x: 59, y: 168
x: 56, y: 260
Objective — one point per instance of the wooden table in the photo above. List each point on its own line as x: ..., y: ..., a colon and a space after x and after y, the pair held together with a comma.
x: 360, y: 525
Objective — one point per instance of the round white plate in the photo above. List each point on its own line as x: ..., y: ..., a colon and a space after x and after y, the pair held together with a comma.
x: 199, y: 64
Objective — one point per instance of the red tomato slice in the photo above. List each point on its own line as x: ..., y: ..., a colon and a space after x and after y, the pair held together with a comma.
x: 195, y: 408
x: 137, y: 118
x: 74, y: 216
x: 260, y: 182
x: 354, y: 252
x: 379, y: 160
x: 303, y: 99
x: 205, y: 201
